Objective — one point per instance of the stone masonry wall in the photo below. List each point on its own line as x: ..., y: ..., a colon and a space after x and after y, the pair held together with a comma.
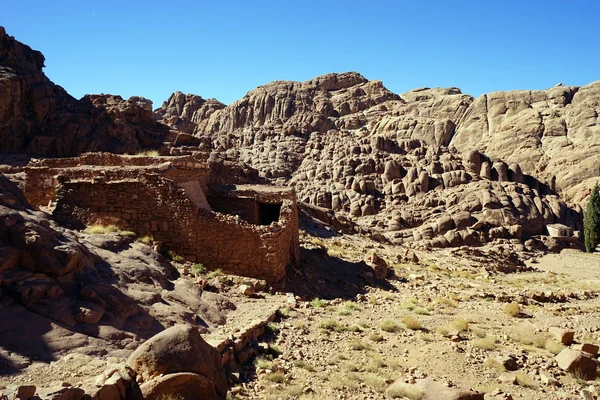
x: 153, y: 205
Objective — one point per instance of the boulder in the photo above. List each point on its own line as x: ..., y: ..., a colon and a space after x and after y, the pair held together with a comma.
x: 431, y: 390
x: 178, y: 349
x: 564, y: 336
x: 183, y: 385
x: 580, y: 364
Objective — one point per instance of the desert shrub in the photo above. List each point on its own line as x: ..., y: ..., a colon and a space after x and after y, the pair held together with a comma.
x: 198, y: 269
x: 460, y: 324
x: 486, y: 343
x: 446, y: 302
x: 331, y: 325
x: 389, y: 326
x: 512, y: 309
x: 359, y: 345
x: 421, y: 311
x: 553, y: 346
x: 147, y: 240
x: 215, y: 274
x: 495, y: 365
x: 263, y: 363
x: 174, y: 256
x: 591, y: 221
x: 375, y: 381
x: 412, y: 323
x: 275, y: 377
x: 525, y: 380
x: 375, y: 337
x: 398, y: 390
x: 317, y: 303
x: 146, y: 153
x: 304, y: 365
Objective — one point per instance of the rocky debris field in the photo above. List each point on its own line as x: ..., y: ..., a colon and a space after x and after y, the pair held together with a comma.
x: 442, y: 326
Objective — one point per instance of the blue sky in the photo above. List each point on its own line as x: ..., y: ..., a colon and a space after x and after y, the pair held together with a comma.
x: 225, y: 49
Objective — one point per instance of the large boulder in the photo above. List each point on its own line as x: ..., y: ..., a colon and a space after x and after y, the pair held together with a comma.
x: 427, y: 389
x: 578, y: 363
x: 178, y: 349
x: 182, y: 385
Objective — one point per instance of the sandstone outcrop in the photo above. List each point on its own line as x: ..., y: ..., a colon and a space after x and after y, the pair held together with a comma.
x: 41, y: 118
x: 175, y: 358
x: 94, y: 293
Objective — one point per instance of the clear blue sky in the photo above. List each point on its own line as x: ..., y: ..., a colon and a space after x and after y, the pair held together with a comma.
x: 224, y: 49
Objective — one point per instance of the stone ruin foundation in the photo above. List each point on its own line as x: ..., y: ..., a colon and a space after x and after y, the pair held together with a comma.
x: 243, y: 229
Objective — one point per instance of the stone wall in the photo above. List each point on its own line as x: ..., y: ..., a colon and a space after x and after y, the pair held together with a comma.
x: 150, y: 204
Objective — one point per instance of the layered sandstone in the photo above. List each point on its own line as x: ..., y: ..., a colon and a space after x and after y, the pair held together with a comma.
x: 39, y: 117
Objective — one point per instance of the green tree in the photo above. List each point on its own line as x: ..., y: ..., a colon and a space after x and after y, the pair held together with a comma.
x: 591, y: 221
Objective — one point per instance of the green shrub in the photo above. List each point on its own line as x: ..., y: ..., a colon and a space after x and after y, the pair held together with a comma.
x: 198, y: 269
x: 389, y: 326
x: 591, y: 221
x: 175, y: 257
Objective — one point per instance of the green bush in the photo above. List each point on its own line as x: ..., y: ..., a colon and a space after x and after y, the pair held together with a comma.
x: 591, y: 221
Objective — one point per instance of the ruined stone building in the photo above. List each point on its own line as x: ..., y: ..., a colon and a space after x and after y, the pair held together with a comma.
x: 244, y: 229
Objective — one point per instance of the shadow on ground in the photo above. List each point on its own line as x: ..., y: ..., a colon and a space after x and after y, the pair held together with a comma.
x: 320, y: 275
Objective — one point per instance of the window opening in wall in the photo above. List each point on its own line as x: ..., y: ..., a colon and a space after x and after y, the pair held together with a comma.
x: 268, y: 213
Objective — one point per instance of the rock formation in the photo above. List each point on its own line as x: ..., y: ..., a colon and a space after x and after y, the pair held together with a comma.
x: 41, y: 118
x: 99, y: 293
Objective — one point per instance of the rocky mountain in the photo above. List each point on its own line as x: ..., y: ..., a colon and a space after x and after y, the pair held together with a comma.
x: 41, y: 118
x: 409, y: 165
x: 401, y: 165
x: 103, y: 293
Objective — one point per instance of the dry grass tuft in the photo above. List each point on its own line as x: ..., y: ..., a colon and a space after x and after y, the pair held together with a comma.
x: 359, y: 345
x: 146, y: 153
x: 486, y: 343
x: 525, y: 380
x: 275, y: 377
x: 553, y: 346
x: 460, y: 324
x: 389, y: 326
x: 375, y: 337
x: 412, y: 323
x: 147, y: 240
x: 495, y: 365
x: 512, y: 309
x: 401, y: 390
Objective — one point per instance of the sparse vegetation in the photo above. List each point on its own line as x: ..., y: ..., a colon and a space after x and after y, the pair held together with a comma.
x: 318, y: 303
x: 375, y: 337
x: 99, y: 229
x: 591, y: 221
x: 525, y: 380
x: 359, y: 345
x: 389, y: 326
x: 401, y: 390
x: 275, y: 377
x: 553, y: 346
x: 304, y: 365
x: 198, y: 269
x: 175, y: 257
x: 460, y: 325
x: 495, y: 365
x: 147, y: 240
x: 147, y: 153
x: 412, y: 323
x: 512, y: 309
x: 486, y: 343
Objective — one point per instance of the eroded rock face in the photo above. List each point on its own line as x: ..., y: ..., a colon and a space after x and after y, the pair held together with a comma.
x: 176, y: 350
x: 41, y: 118
x: 93, y: 293
x: 184, y: 112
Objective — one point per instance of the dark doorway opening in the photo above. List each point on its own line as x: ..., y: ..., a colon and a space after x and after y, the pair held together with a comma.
x: 268, y: 213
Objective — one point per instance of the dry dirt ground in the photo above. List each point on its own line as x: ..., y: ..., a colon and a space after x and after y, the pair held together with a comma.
x: 349, y: 335
x: 442, y: 318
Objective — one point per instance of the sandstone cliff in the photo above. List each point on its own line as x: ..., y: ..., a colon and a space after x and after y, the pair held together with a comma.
x: 39, y: 117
